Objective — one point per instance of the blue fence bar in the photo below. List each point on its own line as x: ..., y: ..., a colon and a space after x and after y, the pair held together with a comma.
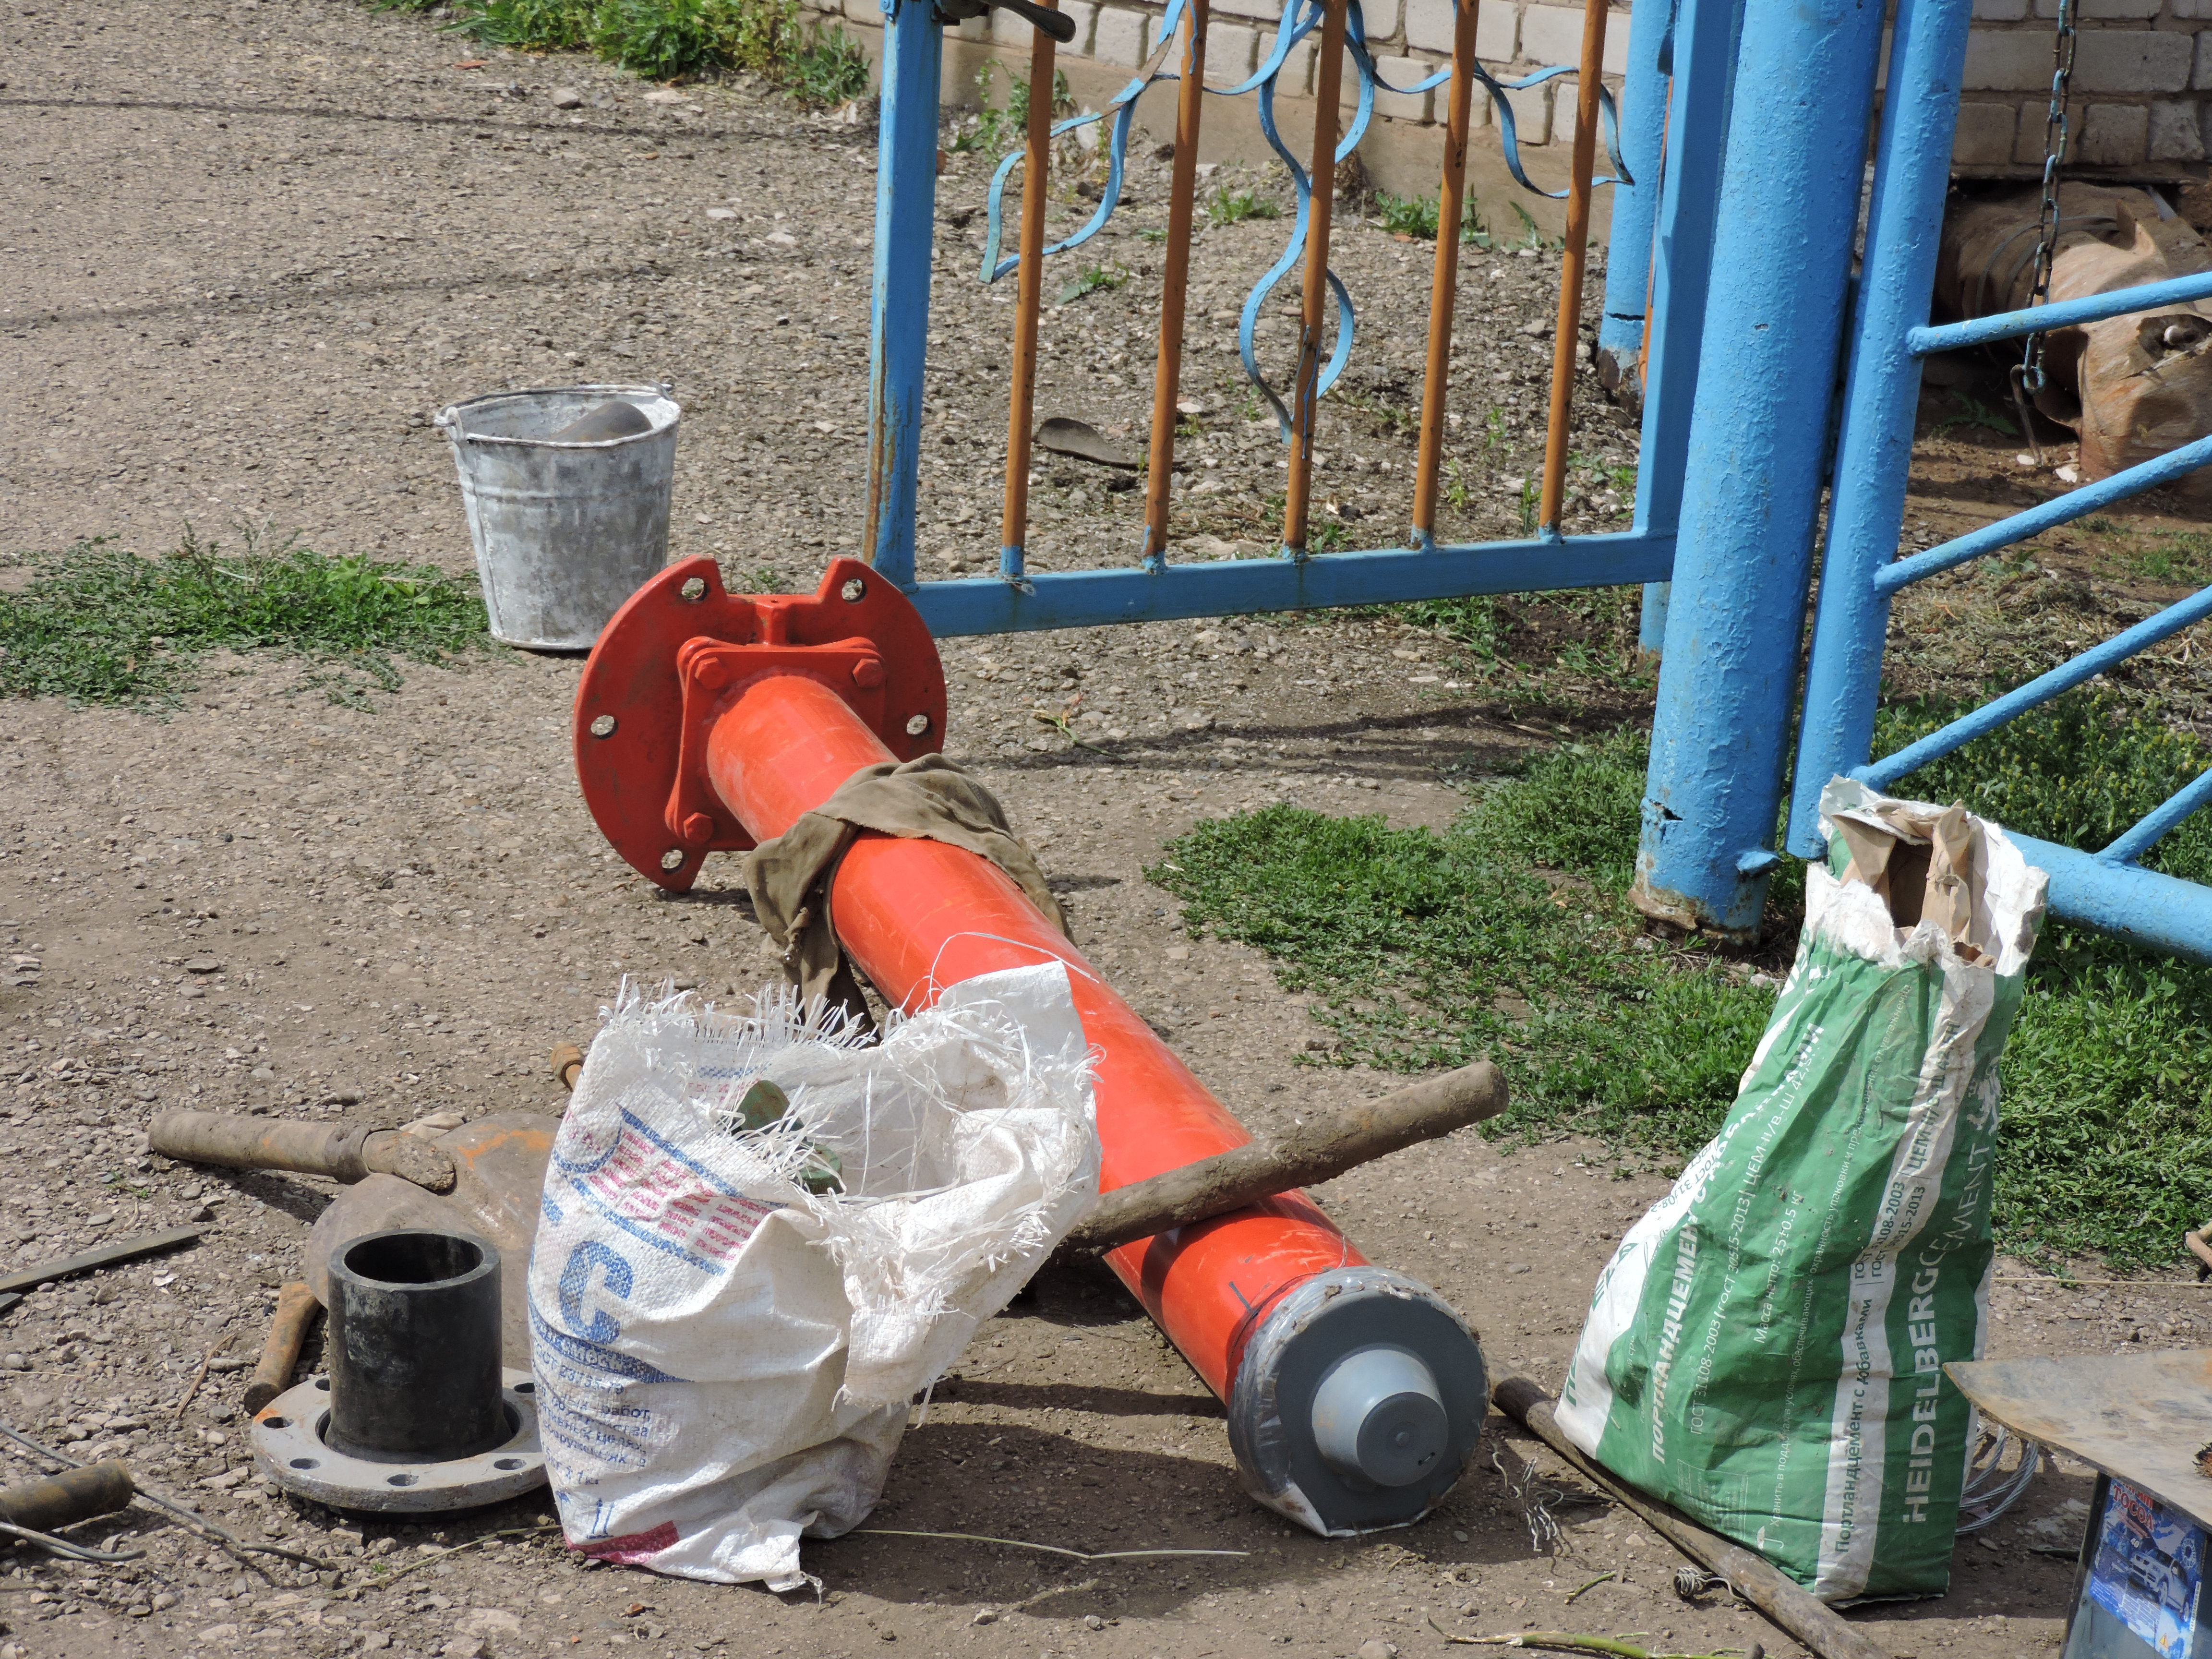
x: 906, y: 228
x: 1882, y: 394
x: 1773, y: 327
x: 2156, y: 826
x: 2041, y: 689
x: 2063, y: 313
x: 2151, y: 911
x: 2062, y: 509
x: 1090, y: 599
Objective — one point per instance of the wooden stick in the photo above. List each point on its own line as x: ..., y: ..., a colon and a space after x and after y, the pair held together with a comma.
x: 1571, y: 265
x: 1561, y: 1641
x: 296, y: 1308
x: 200, y: 1375
x: 1443, y: 285
x: 1323, y: 1147
x: 1781, y: 1599
x: 1175, y: 287
x: 1029, y: 303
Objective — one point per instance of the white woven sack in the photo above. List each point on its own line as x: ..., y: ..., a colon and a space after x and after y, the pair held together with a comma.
x: 724, y: 1360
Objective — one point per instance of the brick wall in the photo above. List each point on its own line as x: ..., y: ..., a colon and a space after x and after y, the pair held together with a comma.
x: 2139, y: 108
x: 2143, y: 80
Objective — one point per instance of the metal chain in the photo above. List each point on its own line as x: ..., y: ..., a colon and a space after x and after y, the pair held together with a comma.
x: 2027, y: 377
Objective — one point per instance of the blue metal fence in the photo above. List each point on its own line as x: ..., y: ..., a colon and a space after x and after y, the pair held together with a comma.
x: 1773, y: 342
x: 1158, y: 589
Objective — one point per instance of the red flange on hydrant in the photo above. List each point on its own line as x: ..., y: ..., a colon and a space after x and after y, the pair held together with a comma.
x: 708, y: 721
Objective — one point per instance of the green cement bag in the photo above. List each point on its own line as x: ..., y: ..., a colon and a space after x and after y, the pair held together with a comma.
x: 1765, y: 1349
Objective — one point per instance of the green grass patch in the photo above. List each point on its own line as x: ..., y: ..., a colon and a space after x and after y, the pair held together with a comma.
x: 661, y: 39
x: 1509, y: 935
x: 96, y: 625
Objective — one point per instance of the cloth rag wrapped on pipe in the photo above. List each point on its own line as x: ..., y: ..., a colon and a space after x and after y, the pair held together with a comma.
x: 726, y: 1345
x: 1765, y: 1350
x: 931, y: 798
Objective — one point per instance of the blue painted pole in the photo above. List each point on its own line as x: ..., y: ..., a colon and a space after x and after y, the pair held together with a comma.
x: 1773, y: 328
x: 1635, y: 200
x: 1701, y: 58
x: 1881, y: 394
x: 1651, y: 623
x: 898, y: 336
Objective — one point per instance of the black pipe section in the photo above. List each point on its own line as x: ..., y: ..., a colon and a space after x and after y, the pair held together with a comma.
x: 414, y: 1344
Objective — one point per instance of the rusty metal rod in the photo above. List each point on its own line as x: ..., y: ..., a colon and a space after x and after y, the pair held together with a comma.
x: 1443, y: 286
x: 1568, y: 334
x: 1780, y: 1598
x: 1174, y: 283
x: 1029, y: 303
x: 296, y: 1309
x: 1321, y: 1149
x: 62, y: 1500
x: 1329, y: 77
x: 568, y: 1061
x: 338, y: 1152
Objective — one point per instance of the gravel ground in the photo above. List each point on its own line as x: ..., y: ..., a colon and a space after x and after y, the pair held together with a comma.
x: 252, y: 248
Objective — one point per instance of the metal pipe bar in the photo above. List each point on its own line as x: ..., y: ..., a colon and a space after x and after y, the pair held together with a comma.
x: 2149, y: 910
x: 1175, y: 287
x: 1774, y: 326
x: 1029, y: 302
x: 1444, y: 286
x: 1092, y: 598
x: 898, y: 328
x: 1328, y: 78
x: 1882, y: 397
x: 2061, y: 510
x: 1926, y: 341
x: 2041, y: 689
x: 1628, y: 262
x: 1569, y: 332
x: 2155, y: 826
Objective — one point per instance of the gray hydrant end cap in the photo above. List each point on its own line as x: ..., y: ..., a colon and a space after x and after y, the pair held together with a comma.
x: 1379, y: 1415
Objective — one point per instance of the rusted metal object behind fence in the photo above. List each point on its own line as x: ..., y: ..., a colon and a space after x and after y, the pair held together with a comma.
x: 2132, y: 387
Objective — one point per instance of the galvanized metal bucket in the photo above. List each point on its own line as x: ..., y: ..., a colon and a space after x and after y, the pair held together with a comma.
x: 564, y: 532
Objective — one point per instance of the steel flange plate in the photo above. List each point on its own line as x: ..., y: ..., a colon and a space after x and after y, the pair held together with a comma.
x: 288, y: 1445
x: 630, y: 717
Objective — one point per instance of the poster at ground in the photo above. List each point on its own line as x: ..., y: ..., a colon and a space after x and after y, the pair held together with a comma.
x: 2148, y: 1570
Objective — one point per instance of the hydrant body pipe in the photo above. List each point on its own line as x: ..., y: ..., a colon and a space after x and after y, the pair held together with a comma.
x: 708, y: 722
x: 919, y: 915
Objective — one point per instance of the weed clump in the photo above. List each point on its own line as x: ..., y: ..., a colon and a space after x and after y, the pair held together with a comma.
x: 97, y: 624
x: 1511, y: 934
x: 661, y: 39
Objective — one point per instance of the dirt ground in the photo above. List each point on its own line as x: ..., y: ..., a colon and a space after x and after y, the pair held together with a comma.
x: 252, y: 249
